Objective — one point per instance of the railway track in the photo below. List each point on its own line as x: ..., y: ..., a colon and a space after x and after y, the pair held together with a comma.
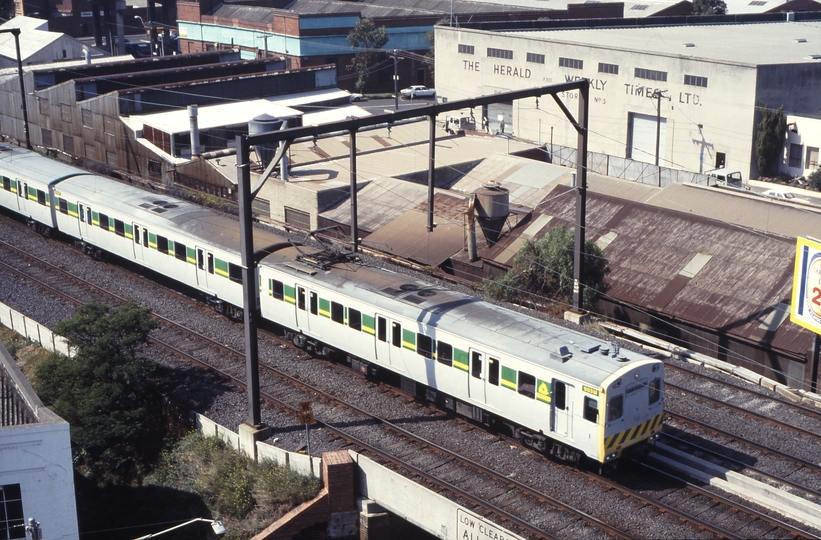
x: 526, y: 510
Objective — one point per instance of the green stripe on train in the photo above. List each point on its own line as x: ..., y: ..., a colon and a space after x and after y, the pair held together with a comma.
x: 221, y: 267
x: 509, y: 378
x: 325, y: 308
x: 289, y: 294
x: 368, y: 324
x: 191, y: 255
x: 460, y: 359
x: 408, y: 339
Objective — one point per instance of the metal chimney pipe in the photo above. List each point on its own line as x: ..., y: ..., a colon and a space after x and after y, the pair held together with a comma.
x: 87, y: 56
x: 195, y: 131
x: 472, y: 229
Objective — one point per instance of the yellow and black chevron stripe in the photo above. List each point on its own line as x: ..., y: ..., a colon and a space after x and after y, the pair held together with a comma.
x: 641, y: 431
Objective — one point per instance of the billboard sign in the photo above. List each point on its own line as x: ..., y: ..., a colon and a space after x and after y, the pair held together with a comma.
x: 806, y: 289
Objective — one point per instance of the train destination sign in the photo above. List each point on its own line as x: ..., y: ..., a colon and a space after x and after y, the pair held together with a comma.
x: 806, y: 288
x: 472, y: 527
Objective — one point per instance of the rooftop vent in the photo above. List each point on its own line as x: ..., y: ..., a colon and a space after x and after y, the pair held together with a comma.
x: 639, y: 7
x: 801, y: 40
x: 689, y: 44
x: 758, y: 2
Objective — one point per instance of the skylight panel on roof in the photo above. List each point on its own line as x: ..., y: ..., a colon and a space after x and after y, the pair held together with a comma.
x: 758, y: 2
x: 640, y: 7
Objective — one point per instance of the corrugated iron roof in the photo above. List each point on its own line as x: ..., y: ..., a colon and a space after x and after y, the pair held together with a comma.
x: 407, y: 237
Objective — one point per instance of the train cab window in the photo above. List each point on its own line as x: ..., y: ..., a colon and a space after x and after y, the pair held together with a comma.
x: 527, y: 385
x: 300, y: 298
x: 615, y: 408
x: 235, y: 272
x: 396, y: 334
x: 355, y: 319
x: 162, y: 244
x: 591, y: 410
x: 41, y: 197
x: 137, y: 235
x: 655, y: 390
x: 7, y: 183
x: 119, y: 227
x: 493, y: 371
x: 444, y: 353
x: 104, y: 222
x: 277, y: 289
x: 381, y: 329
x: 424, y: 345
x: 337, y: 312
x: 314, y: 304
x: 476, y: 365
x: 560, y: 395
x: 210, y: 261
x: 180, y: 251
x: 62, y: 204
x: 82, y: 213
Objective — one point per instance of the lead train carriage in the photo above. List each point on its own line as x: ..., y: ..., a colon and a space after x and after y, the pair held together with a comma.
x: 560, y: 391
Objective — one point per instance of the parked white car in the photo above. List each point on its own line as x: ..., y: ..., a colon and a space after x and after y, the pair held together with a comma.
x: 356, y: 97
x: 782, y: 196
x: 417, y: 91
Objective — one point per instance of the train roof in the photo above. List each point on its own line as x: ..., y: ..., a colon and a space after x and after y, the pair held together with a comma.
x: 493, y: 327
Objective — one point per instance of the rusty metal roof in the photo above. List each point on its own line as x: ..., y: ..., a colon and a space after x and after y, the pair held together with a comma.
x: 407, y: 237
x: 692, y: 268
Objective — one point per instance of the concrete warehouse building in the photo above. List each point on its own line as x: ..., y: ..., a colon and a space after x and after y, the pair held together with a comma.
x: 710, y: 79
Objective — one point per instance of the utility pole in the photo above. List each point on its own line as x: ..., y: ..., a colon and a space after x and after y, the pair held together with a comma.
x: 16, y: 33
x: 657, y: 94
x: 581, y: 195
x: 395, y: 80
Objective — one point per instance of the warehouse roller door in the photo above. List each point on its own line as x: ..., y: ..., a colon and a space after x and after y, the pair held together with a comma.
x: 642, y: 138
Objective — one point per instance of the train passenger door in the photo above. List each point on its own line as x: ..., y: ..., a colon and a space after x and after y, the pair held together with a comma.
x: 307, y: 304
x: 138, y: 243
x: 84, y: 213
x: 476, y: 380
x: 22, y: 195
x: 205, y: 265
x: 383, y: 340
x: 562, y: 409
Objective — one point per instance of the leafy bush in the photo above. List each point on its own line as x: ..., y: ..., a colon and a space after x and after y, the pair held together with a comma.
x: 814, y: 180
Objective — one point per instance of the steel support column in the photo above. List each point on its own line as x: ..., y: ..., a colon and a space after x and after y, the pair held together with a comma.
x: 581, y: 196
x: 354, y: 224
x: 431, y: 170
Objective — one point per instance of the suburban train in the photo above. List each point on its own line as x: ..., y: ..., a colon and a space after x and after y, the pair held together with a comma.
x: 561, y: 392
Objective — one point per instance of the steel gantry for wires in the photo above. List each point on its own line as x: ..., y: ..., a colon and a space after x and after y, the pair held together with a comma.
x: 352, y: 126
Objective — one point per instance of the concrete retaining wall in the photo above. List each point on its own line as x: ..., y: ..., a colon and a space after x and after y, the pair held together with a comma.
x: 32, y: 330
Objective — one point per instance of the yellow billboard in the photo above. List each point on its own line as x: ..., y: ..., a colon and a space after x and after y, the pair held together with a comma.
x: 806, y: 287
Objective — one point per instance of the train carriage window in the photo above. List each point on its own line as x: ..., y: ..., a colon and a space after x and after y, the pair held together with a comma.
x: 591, y: 410
x: 444, y: 353
x: 493, y: 371
x: 41, y: 197
x: 300, y: 298
x: 235, y: 272
x: 7, y: 183
x: 62, y: 204
x: 337, y: 312
x: 162, y: 244
x: 655, y: 390
x: 476, y: 365
x: 119, y: 227
x: 277, y: 289
x: 527, y: 384
x: 314, y: 304
x: 560, y: 395
x: 210, y: 263
x: 104, y: 222
x: 615, y: 408
x: 355, y: 319
x: 381, y: 329
x: 424, y: 345
x: 396, y: 334
x: 180, y: 251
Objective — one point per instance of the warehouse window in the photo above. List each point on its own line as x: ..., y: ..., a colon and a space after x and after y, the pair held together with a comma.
x: 12, y: 524
x: 424, y: 345
x: 692, y: 80
x: 444, y: 353
x: 45, y: 110
x: 493, y: 372
x: 180, y: 252
x: 154, y: 168
x: 615, y: 408
x: 104, y: 222
x: 466, y: 49
x: 534, y: 58
x: 65, y: 112
x: 355, y: 319
x: 298, y: 218
x: 812, y: 158
x: 87, y: 117
x: 90, y: 150
x: 46, y: 135
x: 235, y: 272
x: 527, y: 384
x: 650, y: 74
x: 500, y: 53
x: 119, y: 227
x: 68, y: 144
x: 796, y: 153
x: 591, y: 410
x: 613, y: 69
x: 396, y: 334
x: 337, y: 312
x: 571, y: 63
x: 655, y: 391
x: 162, y: 244
x: 277, y: 290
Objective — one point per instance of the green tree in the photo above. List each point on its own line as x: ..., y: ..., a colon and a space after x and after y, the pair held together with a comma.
x: 544, y: 269
x: 430, y: 56
x: 814, y: 180
x: 709, y: 7
x: 769, y: 138
x: 104, y: 391
x: 365, y: 38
